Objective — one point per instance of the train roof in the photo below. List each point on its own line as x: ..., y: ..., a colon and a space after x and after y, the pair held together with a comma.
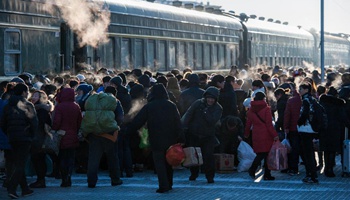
x: 270, y: 28
x: 172, y: 13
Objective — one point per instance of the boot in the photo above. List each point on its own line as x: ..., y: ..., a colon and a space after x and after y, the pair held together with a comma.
x: 38, y: 184
x: 64, y: 174
x: 329, y: 160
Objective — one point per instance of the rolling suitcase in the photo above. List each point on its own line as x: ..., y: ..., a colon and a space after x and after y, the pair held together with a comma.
x: 346, y: 154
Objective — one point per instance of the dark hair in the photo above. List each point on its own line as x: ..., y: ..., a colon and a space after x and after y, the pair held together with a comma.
x: 163, y: 80
x: 106, y: 79
x: 259, y: 96
x: 58, y: 80
x: 217, y: 79
x: 111, y: 90
x: 265, y: 77
x: 306, y: 85
x: 321, y: 89
x: 20, y: 88
x: 73, y: 83
x: 279, y: 91
x: 230, y: 79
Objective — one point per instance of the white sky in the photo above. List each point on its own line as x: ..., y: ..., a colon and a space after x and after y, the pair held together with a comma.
x: 296, y: 12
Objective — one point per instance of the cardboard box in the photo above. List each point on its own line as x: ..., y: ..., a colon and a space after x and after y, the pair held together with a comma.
x: 224, y: 162
x: 193, y: 157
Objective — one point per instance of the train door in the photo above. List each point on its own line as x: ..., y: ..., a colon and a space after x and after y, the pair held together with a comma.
x: 64, y: 55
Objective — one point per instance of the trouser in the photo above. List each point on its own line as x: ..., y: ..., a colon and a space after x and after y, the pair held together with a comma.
x: 309, y: 154
x: 39, y: 163
x: 99, y: 145
x: 207, y: 149
x: 20, y: 154
x: 163, y: 169
x: 257, y: 161
x: 82, y: 155
x: 124, y: 152
x: 329, y: 158
x: 293, y: 156
x: 67, y: 158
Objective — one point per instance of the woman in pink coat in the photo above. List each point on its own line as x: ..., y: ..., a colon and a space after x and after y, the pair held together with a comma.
x: 263, y: 134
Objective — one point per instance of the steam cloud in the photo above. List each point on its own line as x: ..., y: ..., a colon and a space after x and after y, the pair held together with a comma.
x: 88, y: 19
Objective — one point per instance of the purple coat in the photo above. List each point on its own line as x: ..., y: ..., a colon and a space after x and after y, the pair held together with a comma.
x: 67, y: 117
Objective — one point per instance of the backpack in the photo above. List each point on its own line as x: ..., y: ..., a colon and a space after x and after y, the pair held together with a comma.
x: 317, y: 116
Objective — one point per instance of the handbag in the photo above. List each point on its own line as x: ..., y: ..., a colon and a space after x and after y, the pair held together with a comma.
x: 175, y: 155
x: 52, y: 140
x: 277, y: 158
x: 193, y: 157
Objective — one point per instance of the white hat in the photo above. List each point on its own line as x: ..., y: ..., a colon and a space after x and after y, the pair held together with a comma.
x: 81, y: 77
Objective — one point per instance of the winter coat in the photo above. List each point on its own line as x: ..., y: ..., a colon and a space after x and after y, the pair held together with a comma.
x: 19, y: 120
x: 44, y: 117
x: 292, y: 112
x: 4, y: 140
x: 188, y: 96
x: 330, y: 138
x: 281, y: 107
x: 344, y: 93
x: 304, y: 125
x: 200, y: 118
x: 241, y: 96
x: 67, y: 116
x: 124, y: 98
x: 263, y: 132
x: 162, y: 118
x: 228, y: 101
x: 229, y: 138
x: 100, y: 114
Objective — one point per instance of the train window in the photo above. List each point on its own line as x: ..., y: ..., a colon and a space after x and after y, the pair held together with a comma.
x: 150, y: 54
x: 12, y: 54
x: 181, y: 56
x: 172, y: 55
x: 199, y: 57
x: 125, y: 52
x: 161, y: 65
x: 206, y: 56
x: 214, y: 56
x: 190, y: 55
x: 221, y: 56
x: 138, y: 60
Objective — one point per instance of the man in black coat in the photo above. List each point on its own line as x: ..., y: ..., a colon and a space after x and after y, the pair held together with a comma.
x: 164, y: 129
x: 228, y: 98
x: 20, y: 123
x: 191, y: 94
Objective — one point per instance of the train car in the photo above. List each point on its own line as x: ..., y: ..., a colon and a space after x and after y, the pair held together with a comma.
x: 162, y: 37
x: 270, y: 43
x: 30, y: 37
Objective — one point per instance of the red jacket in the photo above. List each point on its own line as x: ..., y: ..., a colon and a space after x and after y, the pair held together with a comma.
x: 67, y: 117
x: 263, y: 131
x: 292, y: 112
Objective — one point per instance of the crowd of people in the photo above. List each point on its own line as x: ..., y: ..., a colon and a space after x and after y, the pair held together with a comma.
x: 125, y: 121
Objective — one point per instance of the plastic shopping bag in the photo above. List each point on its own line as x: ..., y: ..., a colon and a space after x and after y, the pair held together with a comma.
x: 245, y: 155
x: 277, y: 158
x: 286, y: 143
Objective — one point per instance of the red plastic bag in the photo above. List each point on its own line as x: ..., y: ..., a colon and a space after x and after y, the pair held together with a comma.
x: 175, y: 155
x: 277, y: 158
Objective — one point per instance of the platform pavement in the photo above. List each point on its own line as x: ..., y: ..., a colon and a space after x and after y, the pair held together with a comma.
x: 227, y: 186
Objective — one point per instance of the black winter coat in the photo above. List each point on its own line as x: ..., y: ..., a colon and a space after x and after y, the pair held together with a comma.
x: 330, y: 139
x: 228, y: 101
x: 188, y: 96
x: 162, y: 118
x: 281, y: 107
x: 124, y: 98
x: 44, y: 117
x: 19, y: 120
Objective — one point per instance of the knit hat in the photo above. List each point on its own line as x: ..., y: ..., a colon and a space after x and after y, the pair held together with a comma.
x: 144, y: 80
x: 81, y: 77
x: 86, y: 88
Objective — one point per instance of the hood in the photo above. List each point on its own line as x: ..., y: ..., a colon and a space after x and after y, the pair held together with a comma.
x: 158, y: 91
x: 212, y: 91
x: 66, y: 95
x: 137, y: 91
x: 144, y: 80
x: 228, y: 87
x: 256, y: 106
x: 325, y: 98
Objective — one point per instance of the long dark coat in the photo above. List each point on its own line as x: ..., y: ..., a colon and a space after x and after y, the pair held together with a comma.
x: 228, y: 101
x: 162, y: 118
x: 330, y: 139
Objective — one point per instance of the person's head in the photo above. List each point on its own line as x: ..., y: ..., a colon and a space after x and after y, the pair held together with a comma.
x: 230, y: 79
x: 83, y: 89
x: 257, y: 84
x: 58, y: 81
x: 265, y: 77
x: 111, y: 90
x: 305, y: 88
x: 345, y: 78
x: 320, y: 90
x: 279, y: 92
x: 231, y: 124
x: 105, y: 80
x: 21, y: 89
x: 116, y: 81
x: 39, y: 96
x: 218, y: 81
x: 211, y: 95
x: 73, y: 83
x: 163, y: 80
x: 259, y: 96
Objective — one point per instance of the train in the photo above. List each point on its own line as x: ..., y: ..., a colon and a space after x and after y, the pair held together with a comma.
x: 156, y: 37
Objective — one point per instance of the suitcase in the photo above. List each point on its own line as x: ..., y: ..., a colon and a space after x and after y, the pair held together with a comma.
x: 193, y: 157
x: 346, y: 154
